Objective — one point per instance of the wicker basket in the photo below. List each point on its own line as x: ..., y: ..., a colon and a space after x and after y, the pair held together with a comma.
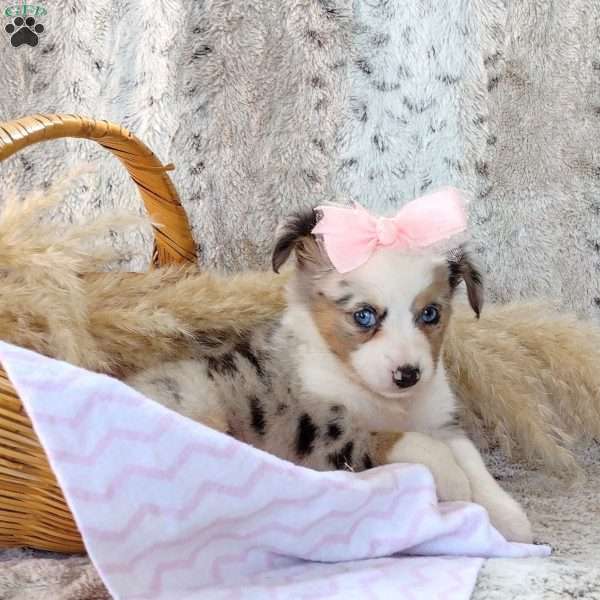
x: 33, y: 511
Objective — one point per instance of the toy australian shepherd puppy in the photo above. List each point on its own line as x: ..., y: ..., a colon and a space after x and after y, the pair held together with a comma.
x: 351, y: 376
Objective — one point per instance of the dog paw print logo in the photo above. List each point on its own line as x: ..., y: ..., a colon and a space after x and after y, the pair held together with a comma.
x: 24, y: 31
x: 25, y: 27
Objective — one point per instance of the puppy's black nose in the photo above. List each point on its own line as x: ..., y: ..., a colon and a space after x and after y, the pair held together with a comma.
x: 406, y: 376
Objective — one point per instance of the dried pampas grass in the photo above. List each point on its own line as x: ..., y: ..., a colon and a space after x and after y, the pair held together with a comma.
x: 527, y: 376
x: 43, y: 297
x: 54, y: 300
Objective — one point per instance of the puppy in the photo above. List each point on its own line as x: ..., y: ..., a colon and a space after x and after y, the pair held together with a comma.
x: 354, y: 361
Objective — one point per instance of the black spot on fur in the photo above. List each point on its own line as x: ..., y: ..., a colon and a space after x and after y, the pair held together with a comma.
x: 493, y: 83
x: 310, y: 176
x: 360, y: 112
x: 448, y: 79
x: 367, y: 462
x: 317, y: 82
x: 379, y: 143
x: 315, y: 37
x: 343, y: 458
x: 380, y: 39
x: 435, y: 127
x: 245, y: 349
x: 364, y: 66
x: 197, y: 142
x: 336, y: 408
x: 403, y: 72
x: 454, y: 164
x: 485, y: 192
x: 334, y: 431
x: 426, y: 184
x: 482, y: 168
x: 492, y: 59
x: 223, y: 365
x: 399, y: 170
x: 331, y: 11
x: 349, y: 163
x: 416, y: 108
x: 25, y: 162
x: 305, y: 435
x: 197, y: 168
x: 320, y: 144
x: 281, y: 408
x: 491, y: 140
x: 201, y: 51
x: 298, y: 226
x: 257, y: 414
x: 597, y: 301
x: 386, y: 86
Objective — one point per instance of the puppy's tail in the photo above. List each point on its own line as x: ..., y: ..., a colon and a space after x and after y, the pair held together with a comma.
x: 529, y: 380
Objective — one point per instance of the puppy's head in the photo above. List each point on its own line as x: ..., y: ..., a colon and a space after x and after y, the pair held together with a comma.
x: 386, y: 320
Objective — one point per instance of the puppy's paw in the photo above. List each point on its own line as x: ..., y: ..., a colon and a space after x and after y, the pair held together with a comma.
x: 507, y: 516
x: 451, y: 482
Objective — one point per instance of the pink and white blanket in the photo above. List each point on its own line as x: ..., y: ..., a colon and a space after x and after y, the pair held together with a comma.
x: 172, y: 510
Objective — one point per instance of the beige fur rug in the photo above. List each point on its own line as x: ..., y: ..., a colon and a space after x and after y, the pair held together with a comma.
x: 567, y: 519
x: 26, y: 575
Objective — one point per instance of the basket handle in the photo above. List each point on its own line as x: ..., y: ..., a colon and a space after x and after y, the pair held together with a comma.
x: 173, y: 242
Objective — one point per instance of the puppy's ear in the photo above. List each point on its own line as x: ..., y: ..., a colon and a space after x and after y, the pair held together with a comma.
x: 461, y: 268
x: 294, y: 234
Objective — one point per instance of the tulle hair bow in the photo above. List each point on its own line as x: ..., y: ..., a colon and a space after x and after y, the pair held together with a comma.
x: 351, y: 235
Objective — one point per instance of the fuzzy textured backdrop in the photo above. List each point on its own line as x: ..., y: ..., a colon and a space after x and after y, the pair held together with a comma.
x: 267, y: 106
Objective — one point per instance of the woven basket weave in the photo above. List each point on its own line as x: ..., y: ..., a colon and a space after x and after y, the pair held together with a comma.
x: 33, y: 511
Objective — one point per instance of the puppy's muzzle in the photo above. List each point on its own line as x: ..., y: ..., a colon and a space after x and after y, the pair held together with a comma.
x: 406, y: 376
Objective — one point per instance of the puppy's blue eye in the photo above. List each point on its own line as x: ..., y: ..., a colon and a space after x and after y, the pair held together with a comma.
x: 365, y: 318
x: 430, y: 315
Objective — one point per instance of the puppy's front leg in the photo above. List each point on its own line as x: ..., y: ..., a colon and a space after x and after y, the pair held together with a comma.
x: 413, y: 447
x: 505, y: 513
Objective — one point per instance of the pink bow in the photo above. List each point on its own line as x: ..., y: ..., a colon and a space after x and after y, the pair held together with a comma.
x: 351, y: 235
